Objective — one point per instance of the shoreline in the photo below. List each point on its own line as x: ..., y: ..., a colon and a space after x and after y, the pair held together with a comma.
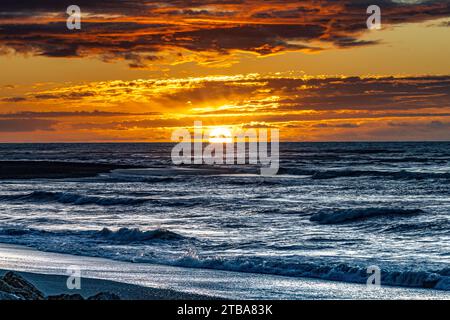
x: 55, y: 285
x: 47, y: 271
x: 139, y: 281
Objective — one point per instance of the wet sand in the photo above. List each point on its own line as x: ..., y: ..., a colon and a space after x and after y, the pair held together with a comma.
x: 53, y: 285
x: 48, y: 272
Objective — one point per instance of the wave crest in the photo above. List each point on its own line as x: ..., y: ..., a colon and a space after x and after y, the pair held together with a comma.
x: 136, y: 235
x: 292, y: 266
x: 72, y: 198
x: 343, y: 272
x: 123, y: 235
x: 396, y: 175
x: 348, y: 215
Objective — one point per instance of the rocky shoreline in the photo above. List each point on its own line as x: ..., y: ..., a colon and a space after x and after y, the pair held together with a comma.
x: 15, y: 287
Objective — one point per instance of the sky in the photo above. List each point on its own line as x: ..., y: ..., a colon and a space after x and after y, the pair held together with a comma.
x: 138, y: 70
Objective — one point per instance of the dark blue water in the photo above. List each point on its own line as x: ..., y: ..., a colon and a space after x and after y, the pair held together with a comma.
x: 333, y: 210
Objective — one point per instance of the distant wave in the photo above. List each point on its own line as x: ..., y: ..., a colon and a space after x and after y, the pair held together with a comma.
x: 436, y: 227
x: 348, y: 215
x: 79, y: 199
x: 71, y: 198
x: 133, y: 235
x: 138, y: 178
x: 13, y: 231
x: 333, y: 174
x: 122, y: 235
x: 398, y: 175
x: 256, y: 182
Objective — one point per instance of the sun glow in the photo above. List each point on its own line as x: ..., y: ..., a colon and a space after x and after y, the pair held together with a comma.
x: 220, y: 135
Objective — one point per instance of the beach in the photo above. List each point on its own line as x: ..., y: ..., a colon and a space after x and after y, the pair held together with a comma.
x: 47, y: 271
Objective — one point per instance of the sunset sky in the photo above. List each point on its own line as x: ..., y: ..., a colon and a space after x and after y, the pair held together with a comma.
x: 137, y: 70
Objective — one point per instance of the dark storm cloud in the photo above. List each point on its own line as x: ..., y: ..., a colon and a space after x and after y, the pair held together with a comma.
x: 337, y: 125
x: 322, y: 94
x: 63, y: 114
x: 256, y: 94
x: 363, y: 93
x: 26, y: 125
x: 139, y: 31
x: 282, y: 100
x: 14, y: 99
x: 140, y: 124
x: 32, y: 7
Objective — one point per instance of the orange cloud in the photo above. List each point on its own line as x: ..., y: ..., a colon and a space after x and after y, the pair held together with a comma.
x: 152, y: 31
x: 303, y: 108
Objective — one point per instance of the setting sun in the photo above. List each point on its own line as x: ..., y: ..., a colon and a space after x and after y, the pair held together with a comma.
x: 220, y: 135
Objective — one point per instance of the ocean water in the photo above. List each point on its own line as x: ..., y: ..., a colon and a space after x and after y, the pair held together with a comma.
x: 334, y: 210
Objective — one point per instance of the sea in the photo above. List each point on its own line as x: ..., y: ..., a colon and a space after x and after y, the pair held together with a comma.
x: 335, y: 211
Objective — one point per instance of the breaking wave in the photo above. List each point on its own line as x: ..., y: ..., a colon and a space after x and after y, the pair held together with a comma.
x: 136, y: 235
x: 343, y: 272
x: 72, y: 198
x: 80, y: 200
x: 122, y: 235
x: 291, y: 266
x: 396, y: 175
x: 349, y: 215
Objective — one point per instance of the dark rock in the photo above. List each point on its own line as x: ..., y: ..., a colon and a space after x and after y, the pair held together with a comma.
x: 66, y: 297
x: 14, y: 284
x: 4, y: 287
x: 104, y: 296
